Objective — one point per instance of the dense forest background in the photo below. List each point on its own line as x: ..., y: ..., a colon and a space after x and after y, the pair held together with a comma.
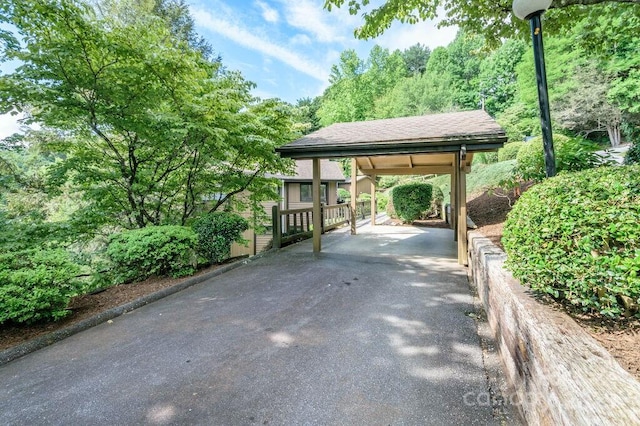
x: 139, y: 122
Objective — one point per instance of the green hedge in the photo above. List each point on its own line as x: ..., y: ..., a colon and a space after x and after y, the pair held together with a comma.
x: 633, y: 155
x: 411, y: 201
x: 576, y: 237
x: 572, y: 154
x: 155, y: 250
x: 510, y: 151
x: 36, y: 285
x: 216, y: 232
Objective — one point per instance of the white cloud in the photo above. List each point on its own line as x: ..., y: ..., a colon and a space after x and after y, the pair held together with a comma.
x: 326, y: 27
x: 9, y: 125
x: 301, y: 39
x: 268, y: 13
x: 244, y: 37
x: 403, y: 36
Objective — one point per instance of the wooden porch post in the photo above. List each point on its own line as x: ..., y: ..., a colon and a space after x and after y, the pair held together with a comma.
x: 373, y: 200
x: 354, y: 194
x: 317, y: 219
x: 462, y: 203
x: 455, y: 171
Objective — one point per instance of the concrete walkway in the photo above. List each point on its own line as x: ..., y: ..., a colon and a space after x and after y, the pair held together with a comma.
x: 373, y: 331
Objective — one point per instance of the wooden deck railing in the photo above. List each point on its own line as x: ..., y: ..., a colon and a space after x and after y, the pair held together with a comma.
x: 297, y: 224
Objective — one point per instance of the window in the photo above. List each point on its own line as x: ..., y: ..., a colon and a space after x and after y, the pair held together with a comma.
x: 306, y: 195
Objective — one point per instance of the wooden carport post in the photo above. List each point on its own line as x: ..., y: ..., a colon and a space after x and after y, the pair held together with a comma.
x: 461, y: 198
x: 373, y: 200
x: 354, y: 194
x: 317, y: 213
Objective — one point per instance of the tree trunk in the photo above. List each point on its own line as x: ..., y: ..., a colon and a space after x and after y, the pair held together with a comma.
x: 614, y: 135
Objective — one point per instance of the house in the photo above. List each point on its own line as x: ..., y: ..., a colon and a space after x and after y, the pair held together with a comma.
x: 295, y: 193
x: 364, y: 185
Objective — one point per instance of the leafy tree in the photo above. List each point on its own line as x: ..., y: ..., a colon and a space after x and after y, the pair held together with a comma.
x: 498, y: 76
x: 587, y: 109
x: 465, y: 57
x: 416, y: 58
x: 356, y: 84
x: 306, y: 111
x: 494, y: 19
x: 417, y: 95
x: 151, y: 128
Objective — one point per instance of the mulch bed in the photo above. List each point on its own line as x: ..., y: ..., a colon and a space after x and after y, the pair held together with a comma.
x: 88, y: 305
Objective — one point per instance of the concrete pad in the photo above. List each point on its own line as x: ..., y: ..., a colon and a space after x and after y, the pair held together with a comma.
x: 373, y: 330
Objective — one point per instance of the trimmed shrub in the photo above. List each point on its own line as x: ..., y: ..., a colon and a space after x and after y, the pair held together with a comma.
x: 411, y: 201
x: 510, y: 151
x: 572, y: 155
x: 576, y: 237
x: 155, y: 250
x: 216, y: 232
x: 633, y: 155
x: 36, y: 285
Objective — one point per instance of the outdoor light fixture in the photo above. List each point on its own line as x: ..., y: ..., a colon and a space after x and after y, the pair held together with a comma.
x: 532, y: 10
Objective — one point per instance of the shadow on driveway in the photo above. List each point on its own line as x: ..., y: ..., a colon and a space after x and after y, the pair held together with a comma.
x: 372, y: 331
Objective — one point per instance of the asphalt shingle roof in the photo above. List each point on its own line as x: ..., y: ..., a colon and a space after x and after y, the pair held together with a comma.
x: 429, y: 131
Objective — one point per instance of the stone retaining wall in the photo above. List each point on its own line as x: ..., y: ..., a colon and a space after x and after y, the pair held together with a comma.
x: 560, y: 374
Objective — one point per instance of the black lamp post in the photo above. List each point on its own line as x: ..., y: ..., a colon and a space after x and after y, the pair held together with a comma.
x: 532, y: 10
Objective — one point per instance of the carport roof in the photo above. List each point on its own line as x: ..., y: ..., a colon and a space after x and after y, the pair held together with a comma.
x: 437, y: 133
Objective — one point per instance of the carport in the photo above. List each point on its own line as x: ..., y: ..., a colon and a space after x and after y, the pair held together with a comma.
x: 422, y: 145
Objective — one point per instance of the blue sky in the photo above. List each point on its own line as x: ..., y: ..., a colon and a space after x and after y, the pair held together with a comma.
x: 287, y: 47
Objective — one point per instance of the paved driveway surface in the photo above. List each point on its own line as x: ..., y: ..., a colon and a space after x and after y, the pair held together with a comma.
x: 370, y: 332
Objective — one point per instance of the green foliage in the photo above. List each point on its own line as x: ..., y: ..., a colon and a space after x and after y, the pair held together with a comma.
x: 382, y: 199
x: 411, y: 201
x: 416, y: 58
x: 148, y: 127
x: 498, y: 76
x: 216, y: 232
x: 36, y: 285
x: 633, y: 154
x: 485, y: 158
x: 493, y: 20
x: 436, y: 202
x: 356, y: 84
x: 572, y: 154
x: 343, y: 194
x: 364, y: 197
x: 155, y: 250
x: 390, y: 181
x: 510, y: 151
x: 576, y: 238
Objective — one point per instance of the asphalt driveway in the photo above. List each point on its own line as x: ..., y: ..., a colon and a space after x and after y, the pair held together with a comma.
x: 373, y: 331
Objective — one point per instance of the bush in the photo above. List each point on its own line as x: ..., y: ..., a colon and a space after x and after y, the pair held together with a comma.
x: 382, y: 199
x: 576, y: 237
x: 436, y: 203
x: 216, y: 232
x: 343, y: 194
x: 486, y: 158
x: 572, y: 154
x: 510, y: 151
x: 411, y: 201
x: 364, y: 197
x: 36, y: 285
x: 633, y: 155
x: 155, y: 250
x: 389, y: 181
